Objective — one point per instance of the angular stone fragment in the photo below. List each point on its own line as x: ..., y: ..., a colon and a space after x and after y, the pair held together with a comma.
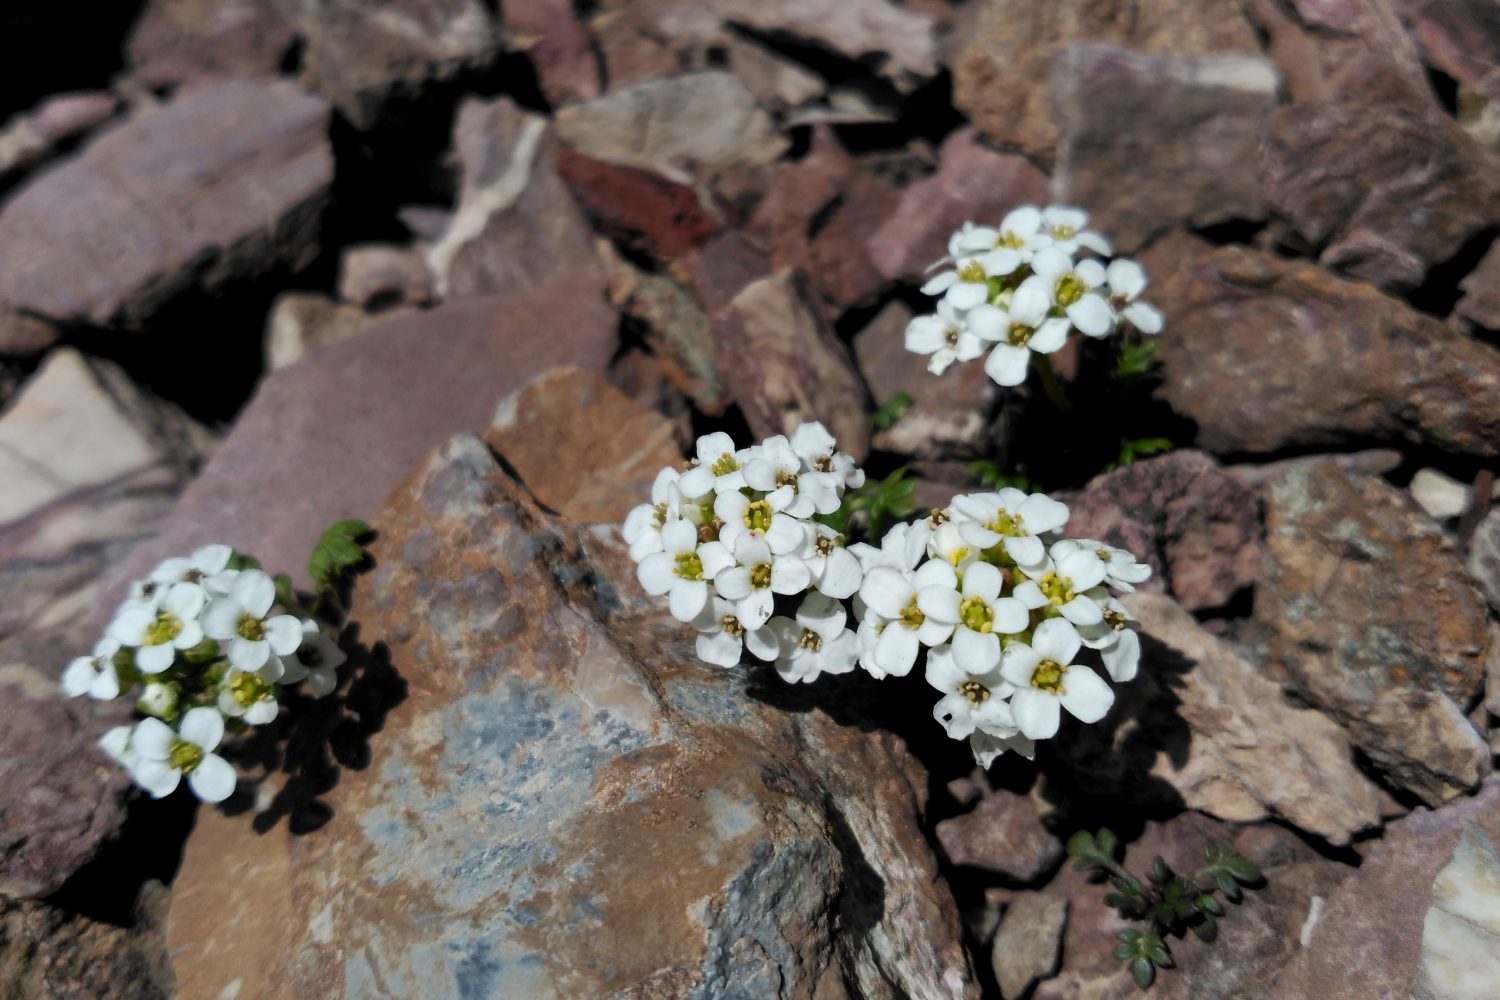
x: 378, y: 275
x: 784, y: 366
x: 224, y: 181
x: 1151, y: 142
x: 563, y: 803
x: 1461, y: 932
x: 1030, y: 937
x: 973, y: 183
x: 1368, y: 610
x: 583, y: 447
x: 301, y: 322
x: 1484, y: 559
x: 1324, y: 47
x: 1002, y: 74
x: 558, y: 45
x: 29, y: 139
x: 637, y: 207
x: 1480, y: 303
x: 1004, y: 834
x: 181, y: 41
x: 1310, y: 360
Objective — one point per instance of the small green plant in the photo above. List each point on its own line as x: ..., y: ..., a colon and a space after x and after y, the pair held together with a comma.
x: 989, y: 472
x: 894, y: 409
x: 1133, y: 450
x: 1137, y: 358
x: 1169, y: 903
x: 883, y: 502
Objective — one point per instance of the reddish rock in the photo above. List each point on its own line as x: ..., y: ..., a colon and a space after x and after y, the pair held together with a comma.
x: 1311, y: 360
x: 224, y: 181
x: 1324, y: 46
x: 557, y: 45
x: 1480, y: 304
x: 783, y: 365
x: 1002, y: 73
x: 183, y: 41
x: 1367, y: 609
x: 973, y: 183
x: 31, y: 138
x: 1193, y: 521
x: 1151, y: 142
x: 581, y: 446
x: 637, y: 207
x: 1002, y: 834
x: 1383, y: 187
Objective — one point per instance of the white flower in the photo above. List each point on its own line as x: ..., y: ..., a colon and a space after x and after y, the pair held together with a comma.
x: 159, y: 700
x: 1068, y: 583
x: 163, y: 757
x: 250, y: 695
x: 158, y: 633
x: 718, y: 467
x: 1064, y: 225
x: 203, y: 566
x: 818, y: 642
x: 723, y: 638
x: 1116, y: 639
x: 1121, y: 569
x: 1010, y: 517
x: 1018, y: 330
x: 642, y: 529
x: 892, y: 594
x: 836, y: 470
x: 116, y: 745
x: 681, y: 570
x: 970, y: 700
x: 1047, y: 679
x: 240, y: 619
x: 902, y: 548
x: 986, y: 747
x: 756, y: 576
x: 766, y: 519
x: 1074, y: 288
x: 946, y: 542
x: 977, y: 614
x: 95, y: 674
x: 778, y: 471
x: 945, y: 336
x: 835, y: 572
x: 316, y: 661
x: 1127, y: 280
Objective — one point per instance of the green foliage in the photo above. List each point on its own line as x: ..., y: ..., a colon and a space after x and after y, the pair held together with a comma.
x: 990, y: 473
x: 1132, y: 449
x: 1168, y: 903
x: 894, y: 409
x: 881, y: 501
x: 1137, y: 358
x: 339, y: 552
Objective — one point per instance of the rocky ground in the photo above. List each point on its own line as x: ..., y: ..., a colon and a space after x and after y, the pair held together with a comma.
x: 473, y: 272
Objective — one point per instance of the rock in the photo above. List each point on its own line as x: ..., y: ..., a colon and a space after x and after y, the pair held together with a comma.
x: 675, y: 327
x: 1461, y: 933
x: 638, y: 208
x: 1193, y: 521
x: 1484, y: 559
x: 1004, y: 834
x: 1370, y: 939
x: 1371, y: 461
x: 224, y: 181
x: 516, y: 227
x: 784, y: 366
x: 32, y: 138
x: 1251, y: 756
x: 1256, y: 938
x: 550, y: 824
x: 49, y: 955
x: 1030, y: 936
x: 1440, y: 495
x: 950, y: 414
x: 581, y: 446
x: 183, y: 41
x: 1345, y: 181
x: 376, y: 275
x: 972, y: 183
x: 90, y: 464
x: 365, y: 64
x: 328, y: 437
x: 1480, y: 303
x: 1324, y: 46
x: 817, y: 217
x: 674, y: 126
x: 1151, y: 142
x: 1002, y: 72
x: 1239, y: 318
x: 1462, y: 40
x: 1367, y: 609
x: 302, y: 322
x: 557, y: 45
x: 779, y: 85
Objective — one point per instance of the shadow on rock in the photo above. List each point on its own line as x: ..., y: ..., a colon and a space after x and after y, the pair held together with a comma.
x: 314, y: 739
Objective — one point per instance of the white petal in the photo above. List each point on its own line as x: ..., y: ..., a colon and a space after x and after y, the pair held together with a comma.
x: 1029, y: 594
x: 1018, y: 663
x: 284, y: 633
x: 1031, y: 302
x: 248, y: 654
x: 1050, y: 264
x: 322, y: 681
x: 203, y: 727
x: 678, y: 537
x: 789, y: 575
x: 886, y: 591
x: 953, y: 712
x: 926, y: 334
x: 262, y: 712
x: 811, y: 441
x: 157, y: 777
x: 1026, y: 550
x: 1011, y: 616
x: 1040, y: 513
x: 213, y: 780
x: 130, y: 625
x: 1084, y: 695
x: 1056, y: 640
x: 1126, y: 278
x: 1007, y: 364
x: 656, y: 574
x: 254, y: 591
x: 987, y: 322
x: 211, y: 559
x: 116, y: 744
x: 940, y: 283
x: 841, y: 575
x: 939, y: 602
x: 719, y: 648
x: 823, y: 615
x: 1123, y: 658
x: 79, y: 676
x: 1023, y: 221
x: 754, y: 609
x: 687, y: 598
x: 1092, y: 272
x: 897, y: 650
x: 1050, y: 336
x: 967, y: 295
x: 1036, y: 712
x: 975, y: 652
x: 155, y: 659
x: 1081, y: 611
x: 106, y: 685
x: 733, y: 583
x: 762, y: 643
x: 943, y: 672
x: 1144, y: 317
x: 152, y: 739
x: 935, y: 573
x: 984, y: 581
x: 751, y: 550
x: 785, y: 534
x: 697, y: 481
x: 1091, y: 316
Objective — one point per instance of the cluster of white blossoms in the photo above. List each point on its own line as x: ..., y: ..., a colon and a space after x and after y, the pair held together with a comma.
x: 735, y: 529
x: 199, y: 644
x: 1002, y: 604
x: 1023, y: 288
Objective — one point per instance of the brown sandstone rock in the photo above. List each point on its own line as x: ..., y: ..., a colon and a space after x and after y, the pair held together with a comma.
x: 46, y: 954
x: 1030, y: 938
x: 1003, y: 833
x: 558, y: 45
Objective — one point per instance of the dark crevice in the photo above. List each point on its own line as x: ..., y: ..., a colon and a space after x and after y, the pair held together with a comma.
x: 59, y: 46
x: 1439, y: 291
x: 1444, y: 90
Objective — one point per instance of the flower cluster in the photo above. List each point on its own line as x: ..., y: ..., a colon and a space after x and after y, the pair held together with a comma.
x: 1003, y: 606
x: 1022, y: 289
x: 722, y: 539
x: 199, y: 645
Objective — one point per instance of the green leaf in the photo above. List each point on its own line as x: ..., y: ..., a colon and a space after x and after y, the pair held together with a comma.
x: 1129, y: 885
x: 1207, y: 929
x: 1242, y: 868
x: 1082, y: 845
x: 338, y: 551
x: 1132, y: 449
x: 1154, y: 948
x: 1107, y: 841
x: 990, y: 473
x: 1160, y: 873
x: 1208, y: 903
x: 1136, y: 359
x: 1143, y: 972
x: 893, y: 410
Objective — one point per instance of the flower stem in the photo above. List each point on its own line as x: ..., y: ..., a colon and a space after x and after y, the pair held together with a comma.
x: 1050, y: 383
